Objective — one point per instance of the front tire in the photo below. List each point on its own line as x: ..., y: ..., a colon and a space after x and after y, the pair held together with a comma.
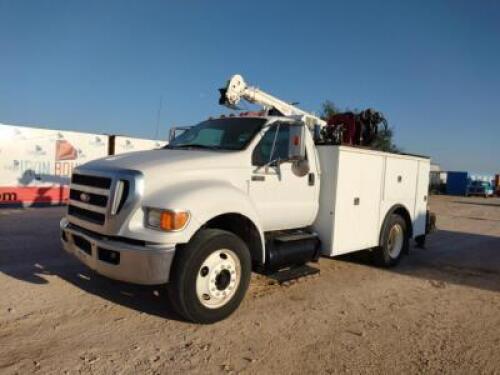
x: 394, y: 241
x: 210, y: 276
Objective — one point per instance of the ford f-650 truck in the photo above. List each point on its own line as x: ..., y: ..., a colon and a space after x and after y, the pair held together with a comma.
x: 238, y: 194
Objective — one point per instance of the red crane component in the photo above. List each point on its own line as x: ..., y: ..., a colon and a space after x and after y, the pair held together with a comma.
x: 355, y: 129
x: 345, y: 123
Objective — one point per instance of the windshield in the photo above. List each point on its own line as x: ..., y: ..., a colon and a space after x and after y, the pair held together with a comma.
x: 220, y: 134
x: 485, y: 184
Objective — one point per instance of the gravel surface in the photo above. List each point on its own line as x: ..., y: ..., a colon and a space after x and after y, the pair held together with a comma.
x: 437, y: 312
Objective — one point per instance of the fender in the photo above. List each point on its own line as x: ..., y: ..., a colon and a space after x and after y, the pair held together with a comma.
x: 205, y: 200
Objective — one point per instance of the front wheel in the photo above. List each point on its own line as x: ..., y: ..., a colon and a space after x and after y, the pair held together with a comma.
x: 210, y: 276
x: 394, y: 241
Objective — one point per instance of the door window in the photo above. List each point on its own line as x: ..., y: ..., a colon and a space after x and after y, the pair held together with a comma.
x: 278, y: 135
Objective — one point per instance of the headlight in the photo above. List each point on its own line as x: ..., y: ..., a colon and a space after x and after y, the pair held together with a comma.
x: 167, y: 220
x: 117, y: 199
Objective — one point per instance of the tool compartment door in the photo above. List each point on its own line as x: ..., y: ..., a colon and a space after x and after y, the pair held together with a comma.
x: 357, y: 205
x: 421, y: 198
x: 400, y: 185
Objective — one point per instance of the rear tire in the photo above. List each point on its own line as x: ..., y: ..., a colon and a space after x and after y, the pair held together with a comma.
x: 394, y: 241
x: 210, y: 276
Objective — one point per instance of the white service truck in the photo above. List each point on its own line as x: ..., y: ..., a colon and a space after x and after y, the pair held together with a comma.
x: 238, y: 194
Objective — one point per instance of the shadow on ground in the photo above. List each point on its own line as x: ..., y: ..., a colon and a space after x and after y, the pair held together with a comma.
x: 475, y: 203
x: 449, y: 257
x: 30, y: 250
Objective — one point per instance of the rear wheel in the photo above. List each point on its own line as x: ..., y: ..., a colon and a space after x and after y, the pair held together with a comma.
x: 394, y: 241
x: 210, y: 276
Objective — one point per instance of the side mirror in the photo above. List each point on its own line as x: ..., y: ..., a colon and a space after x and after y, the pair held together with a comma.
x: 176, y: 131
x: 297, y: 150
x: 300, y: 167
x: 297, y: 145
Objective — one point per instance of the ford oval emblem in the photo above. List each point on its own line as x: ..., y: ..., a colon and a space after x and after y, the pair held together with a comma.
x: 84, y: 197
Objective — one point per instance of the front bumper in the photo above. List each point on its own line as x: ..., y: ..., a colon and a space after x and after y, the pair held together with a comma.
x: 147, y: 265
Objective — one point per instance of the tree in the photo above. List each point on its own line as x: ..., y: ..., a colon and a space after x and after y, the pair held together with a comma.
x: 328, y: 109
x: 382, y: 142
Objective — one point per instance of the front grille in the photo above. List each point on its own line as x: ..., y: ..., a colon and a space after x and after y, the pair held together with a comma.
x: 93, y: 199
x: 94, y: 181
x: 88, y: 215
x: 89, y: 197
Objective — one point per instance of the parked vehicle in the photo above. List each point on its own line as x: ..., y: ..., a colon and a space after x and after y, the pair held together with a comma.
x: 480, y: 188
x: 239, y: 194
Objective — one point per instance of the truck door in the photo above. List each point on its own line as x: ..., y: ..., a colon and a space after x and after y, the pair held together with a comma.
x: 283, y: 199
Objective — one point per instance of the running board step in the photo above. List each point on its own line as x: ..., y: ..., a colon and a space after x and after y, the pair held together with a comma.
x: 293, y: 273
x: 295, y: 237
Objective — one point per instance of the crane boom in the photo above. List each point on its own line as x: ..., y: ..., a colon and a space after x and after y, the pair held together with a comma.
x: 237, y: 89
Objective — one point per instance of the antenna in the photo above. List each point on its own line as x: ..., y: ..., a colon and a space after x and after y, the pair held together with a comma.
x: 158, y: 117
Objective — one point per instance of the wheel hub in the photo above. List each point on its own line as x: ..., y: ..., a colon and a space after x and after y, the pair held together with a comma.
x: 218, y: 278
x: 223, y: 279
x: 395, y: 241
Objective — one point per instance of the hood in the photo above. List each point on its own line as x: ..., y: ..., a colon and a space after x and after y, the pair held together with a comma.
x: 163, y: 159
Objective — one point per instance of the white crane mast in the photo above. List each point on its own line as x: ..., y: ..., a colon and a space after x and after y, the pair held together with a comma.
x: 237, y: 89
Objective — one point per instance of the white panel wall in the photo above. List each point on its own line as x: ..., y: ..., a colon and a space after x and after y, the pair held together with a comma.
x: 32, y: 156
x: 129, y: 144
x: 36, y: 164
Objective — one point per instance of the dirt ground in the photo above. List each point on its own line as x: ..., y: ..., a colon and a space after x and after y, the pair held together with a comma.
x: 437, y: 312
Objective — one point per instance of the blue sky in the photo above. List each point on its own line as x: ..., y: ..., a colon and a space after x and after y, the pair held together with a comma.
x: 433, y: 67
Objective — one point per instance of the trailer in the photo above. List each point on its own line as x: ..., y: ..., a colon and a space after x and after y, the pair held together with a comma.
x: 36, y: 164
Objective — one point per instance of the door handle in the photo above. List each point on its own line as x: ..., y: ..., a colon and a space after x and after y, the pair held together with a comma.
x: 258, y: 178
x: 312, y: 179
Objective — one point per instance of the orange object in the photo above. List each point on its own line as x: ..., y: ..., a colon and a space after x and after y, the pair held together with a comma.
x: 33, y: 195
x: 172, y: 220
x: 65, y: 151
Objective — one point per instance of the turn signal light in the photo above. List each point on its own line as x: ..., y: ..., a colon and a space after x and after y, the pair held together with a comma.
x: 172, y: 220
x: 167, y: 220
